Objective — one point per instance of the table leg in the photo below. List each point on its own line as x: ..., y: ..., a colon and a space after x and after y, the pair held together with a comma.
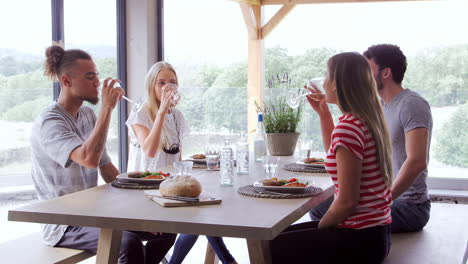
x: 108, y: 246
x: 259, y: 251
x: 210, y: 255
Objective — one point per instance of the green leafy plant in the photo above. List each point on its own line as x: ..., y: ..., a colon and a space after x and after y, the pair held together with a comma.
x: 278, y: 116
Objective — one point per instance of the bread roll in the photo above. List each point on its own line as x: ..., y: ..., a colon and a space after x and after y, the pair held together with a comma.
x: 180, y: 186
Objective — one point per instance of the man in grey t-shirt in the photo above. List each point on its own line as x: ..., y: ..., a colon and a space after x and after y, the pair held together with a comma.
x: 409, y: 121
x: 68, y: 149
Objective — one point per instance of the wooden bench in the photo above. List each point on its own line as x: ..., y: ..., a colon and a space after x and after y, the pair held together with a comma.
x: 443, y: 240
x: 31, y: 249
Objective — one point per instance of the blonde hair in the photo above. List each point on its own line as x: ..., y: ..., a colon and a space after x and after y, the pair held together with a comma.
x: 152, y: 104
x: 357, y: 95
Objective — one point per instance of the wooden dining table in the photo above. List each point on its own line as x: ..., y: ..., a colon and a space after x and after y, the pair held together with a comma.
x: 112, y: 209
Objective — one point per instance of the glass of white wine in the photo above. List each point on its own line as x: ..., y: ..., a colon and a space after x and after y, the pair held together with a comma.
x: 137, y: 105
x: 294, y: 99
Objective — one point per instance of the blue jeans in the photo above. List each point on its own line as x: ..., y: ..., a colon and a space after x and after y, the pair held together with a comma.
x: 185, y: 242
x: 132, y: 250
x: 406, y: 216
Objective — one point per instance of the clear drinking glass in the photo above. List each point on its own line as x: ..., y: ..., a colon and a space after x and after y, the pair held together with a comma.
x: 183, y: 168
x: 270, y: 166
x: 294, y: 98
x: 175, y: 96
x: 212, y: 162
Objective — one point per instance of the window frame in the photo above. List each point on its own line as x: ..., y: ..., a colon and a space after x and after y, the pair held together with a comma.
x: 58, y: 37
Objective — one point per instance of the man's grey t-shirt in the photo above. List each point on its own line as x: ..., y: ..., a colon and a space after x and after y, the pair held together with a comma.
x: 407, y: 111
x: 55, y: 134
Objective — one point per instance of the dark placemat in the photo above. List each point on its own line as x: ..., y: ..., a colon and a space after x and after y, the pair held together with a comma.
x: 259, y: 192
x: 303, y: 168
x: 126, y: 184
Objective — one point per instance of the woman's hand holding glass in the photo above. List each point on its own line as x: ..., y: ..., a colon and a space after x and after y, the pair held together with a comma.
x: 316, y: 99
x: 170, y: 95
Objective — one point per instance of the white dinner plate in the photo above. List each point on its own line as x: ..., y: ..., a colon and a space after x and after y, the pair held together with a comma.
x: 196, y: 160
x: 124, y: 176
x: 316, y: 165
x: 283, y: 188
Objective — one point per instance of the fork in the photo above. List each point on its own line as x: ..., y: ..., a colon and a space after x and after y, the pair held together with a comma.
x: 270, y: 192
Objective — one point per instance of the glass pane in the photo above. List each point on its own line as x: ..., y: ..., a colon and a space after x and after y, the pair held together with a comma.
x: 208, y: 50
x: 436, y: 49
x: 100, y: 41
x: 25, y: 92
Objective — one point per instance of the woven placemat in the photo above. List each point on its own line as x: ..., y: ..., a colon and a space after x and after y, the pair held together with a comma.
x: 125, y: 184
x: 259, y: 192
x: 303, y: 168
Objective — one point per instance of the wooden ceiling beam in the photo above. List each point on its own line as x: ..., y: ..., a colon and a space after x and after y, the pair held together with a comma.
x: 250, y: 2
x: 276, y: 19
x: 251, y: 22
x: 285, y: 2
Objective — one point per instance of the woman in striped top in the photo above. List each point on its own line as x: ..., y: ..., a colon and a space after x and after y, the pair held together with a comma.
x: 355, y: 229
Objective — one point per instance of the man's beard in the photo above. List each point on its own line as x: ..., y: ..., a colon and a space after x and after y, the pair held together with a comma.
x: 92, y: 101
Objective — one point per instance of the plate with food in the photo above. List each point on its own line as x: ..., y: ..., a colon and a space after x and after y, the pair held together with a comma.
x: 312, y: 162
x: 292, y: 185
x: 147, y: 176
x: 198, y: 158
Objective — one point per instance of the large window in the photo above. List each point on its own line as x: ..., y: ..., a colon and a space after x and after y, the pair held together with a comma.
x: 100, y: 40
x: 26, y: 91
x: 437, y: 52
x: 206, y: 42
x: 26, y: 32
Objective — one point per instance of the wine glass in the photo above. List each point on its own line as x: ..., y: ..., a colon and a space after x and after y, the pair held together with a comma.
x: 137, y: 105
x: 294, y: 98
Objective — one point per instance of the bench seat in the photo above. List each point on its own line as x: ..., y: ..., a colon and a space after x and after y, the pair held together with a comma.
x: 31, y: 249
x: 443, y: 240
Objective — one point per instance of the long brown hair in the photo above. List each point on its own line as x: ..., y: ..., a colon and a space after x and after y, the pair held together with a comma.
x: 59, y: 61
x: 357, y: 95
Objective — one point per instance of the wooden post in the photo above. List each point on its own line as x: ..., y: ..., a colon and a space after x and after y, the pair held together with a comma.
x: 108, y: 246
x: 253, y: 17
x: 259, y: 251
x: 210, y: 255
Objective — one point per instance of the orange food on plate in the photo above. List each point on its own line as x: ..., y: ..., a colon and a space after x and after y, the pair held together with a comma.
x: 199, y: 156
x: 314, y: 161
x: 295, y: 184
x: 157, y: 177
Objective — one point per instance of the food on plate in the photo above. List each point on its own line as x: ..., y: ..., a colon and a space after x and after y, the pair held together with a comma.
x: 286, y: 183
x: 199, y: 156
x: 295, y: 184
x: 314, y: 160
x: 148, y: 175
x: 272, y: 182
x: 185, y: 186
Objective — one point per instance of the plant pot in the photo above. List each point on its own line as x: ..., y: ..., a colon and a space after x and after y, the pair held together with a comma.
x: 282, y: 144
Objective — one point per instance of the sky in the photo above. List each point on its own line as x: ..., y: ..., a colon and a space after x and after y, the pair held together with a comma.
x: 213, y: 31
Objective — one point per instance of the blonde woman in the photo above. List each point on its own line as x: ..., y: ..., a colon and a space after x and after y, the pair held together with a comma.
x: 156, y: 132
x: 356, y: 227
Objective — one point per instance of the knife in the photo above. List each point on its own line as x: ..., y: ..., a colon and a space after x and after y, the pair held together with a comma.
x: 179, y: 198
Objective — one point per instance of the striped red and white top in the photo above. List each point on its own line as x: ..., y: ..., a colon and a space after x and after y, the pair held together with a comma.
x: 375, y: 198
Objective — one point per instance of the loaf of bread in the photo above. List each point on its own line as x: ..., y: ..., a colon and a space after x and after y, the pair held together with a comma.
x: 180, y: 186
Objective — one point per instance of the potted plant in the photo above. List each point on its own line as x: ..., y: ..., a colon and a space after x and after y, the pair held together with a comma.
x: 280, y: 120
